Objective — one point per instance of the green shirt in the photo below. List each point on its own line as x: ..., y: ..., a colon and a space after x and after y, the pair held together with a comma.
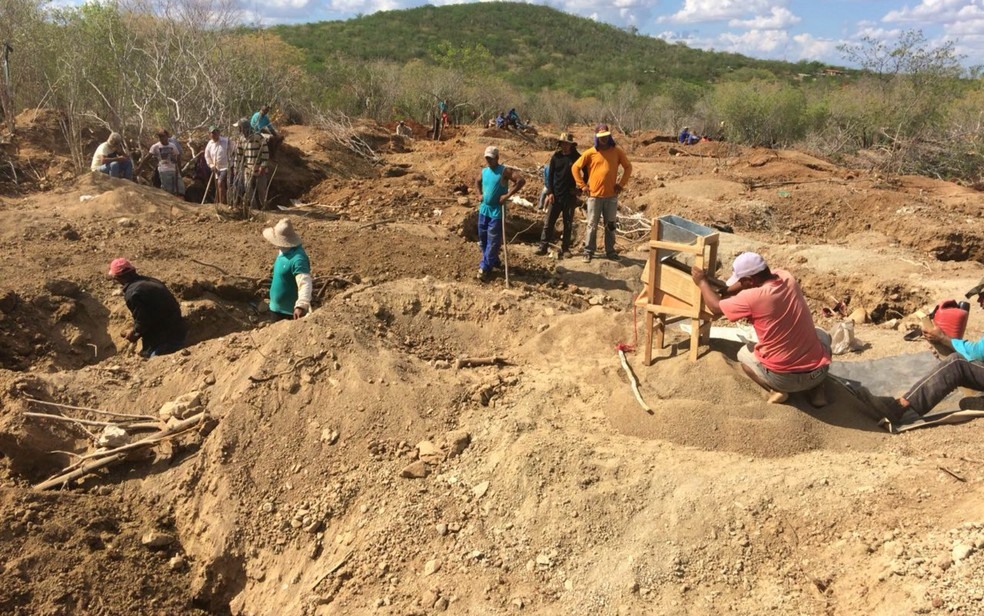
x: 283, y: 288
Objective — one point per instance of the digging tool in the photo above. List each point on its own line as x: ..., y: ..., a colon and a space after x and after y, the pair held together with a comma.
x: 505, y: 245
x: 207, y: 186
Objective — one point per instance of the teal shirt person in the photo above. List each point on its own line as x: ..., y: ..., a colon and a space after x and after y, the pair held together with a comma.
x: 290, y: 285
x: 283, y: 288
x: 259, y: 121
x: 493, y: 188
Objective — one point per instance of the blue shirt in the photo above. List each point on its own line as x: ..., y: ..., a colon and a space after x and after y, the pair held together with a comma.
x: 972, y: 351
x: 283, y: 287
x: 258, y: 123
x: 493, y: 187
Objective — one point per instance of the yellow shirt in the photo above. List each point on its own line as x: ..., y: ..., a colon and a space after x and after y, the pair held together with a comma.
x: 602, y: 166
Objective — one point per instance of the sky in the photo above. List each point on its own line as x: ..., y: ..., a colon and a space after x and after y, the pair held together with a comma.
x: 789, y: 30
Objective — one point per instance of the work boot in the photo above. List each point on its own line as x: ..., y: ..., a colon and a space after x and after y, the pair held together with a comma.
x: 483, y: 276
x: 972, y: 403
x: 541, y: 251
x: 587, y: 257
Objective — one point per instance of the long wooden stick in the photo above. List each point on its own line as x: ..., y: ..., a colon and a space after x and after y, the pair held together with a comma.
x: 84, y: 422
x: 505, y: 245
x: 105, y: 458
x: 332, y: 569
x: 633, y: 382
x: 471, y: 362
x: 91, y: 410
x: 207, y: 186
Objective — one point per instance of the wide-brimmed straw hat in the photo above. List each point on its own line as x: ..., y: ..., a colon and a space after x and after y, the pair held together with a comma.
x: 282, y: 235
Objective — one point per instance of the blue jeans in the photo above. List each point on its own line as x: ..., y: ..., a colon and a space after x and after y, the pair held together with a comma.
x: 489, y: 242
x: 119, y: 169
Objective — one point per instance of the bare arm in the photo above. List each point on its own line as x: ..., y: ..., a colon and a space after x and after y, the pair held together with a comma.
x: 711, y: 299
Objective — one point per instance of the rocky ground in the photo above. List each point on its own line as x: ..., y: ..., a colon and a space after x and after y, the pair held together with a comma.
x: 348, y: 466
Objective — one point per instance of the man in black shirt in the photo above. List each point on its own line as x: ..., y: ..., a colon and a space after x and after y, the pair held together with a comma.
x: 156, y: 313
x: 561, y: 197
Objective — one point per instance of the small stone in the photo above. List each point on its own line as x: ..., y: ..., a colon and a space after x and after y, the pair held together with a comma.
x: 457, y: 442
x: 962, y: 551
x: 442, y: 529
x: 441, y: 604
x: 432, y: 566
x: 177, y: 563
x: 543, y: 327
x: 442, y: 364
x: 313, y: 527
x: 428, y: 598
x: 415, y: 470
x: 181, y: 407
x: 568, y: 584
x: 112, y: 437
x: 518, y: 603
x: 480, y: 489
x: 463, y: 201
x: 329, y: 436
x: 944, y: 562
x: 157, y: 539
x: 209, y: 379
x: 429, y: 452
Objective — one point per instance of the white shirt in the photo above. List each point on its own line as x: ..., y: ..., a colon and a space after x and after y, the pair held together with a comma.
x: 167, y: 155
x: 217, y: 153
x: 104, y: 150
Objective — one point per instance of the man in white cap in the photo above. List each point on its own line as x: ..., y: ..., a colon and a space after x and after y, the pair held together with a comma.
x: 290, y: 287
x: 792, y: 355
x: 493, y: 184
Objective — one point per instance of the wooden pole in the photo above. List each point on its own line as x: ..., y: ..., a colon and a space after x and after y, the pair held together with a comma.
x: 505, y: 245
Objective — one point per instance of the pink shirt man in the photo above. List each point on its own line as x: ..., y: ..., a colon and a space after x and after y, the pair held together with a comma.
x: 787, y: 336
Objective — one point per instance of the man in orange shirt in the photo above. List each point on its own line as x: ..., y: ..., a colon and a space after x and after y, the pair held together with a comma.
x: 602, y: 186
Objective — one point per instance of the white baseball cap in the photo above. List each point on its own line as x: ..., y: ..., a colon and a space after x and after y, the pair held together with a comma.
x: 491, y: 152
x: 746, y: 264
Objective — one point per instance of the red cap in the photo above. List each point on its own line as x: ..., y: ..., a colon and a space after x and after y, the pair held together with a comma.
x: 120, y: 266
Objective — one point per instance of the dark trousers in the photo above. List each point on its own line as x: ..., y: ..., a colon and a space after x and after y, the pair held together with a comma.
x: 563, y: 209
x: 953, y: 372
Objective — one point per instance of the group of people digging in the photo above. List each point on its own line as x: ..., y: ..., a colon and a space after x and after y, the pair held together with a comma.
x: 239, y: 170
x: 791, y: 356
x: 157, y: 320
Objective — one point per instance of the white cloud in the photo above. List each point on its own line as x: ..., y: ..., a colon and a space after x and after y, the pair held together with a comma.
x: 755, y: 42
x: 808, y: 47
x: 697, y: 11
x: 937, y: 11
x: 779, y: 18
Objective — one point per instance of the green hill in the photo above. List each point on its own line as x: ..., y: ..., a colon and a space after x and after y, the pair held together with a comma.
x: 531, y: 46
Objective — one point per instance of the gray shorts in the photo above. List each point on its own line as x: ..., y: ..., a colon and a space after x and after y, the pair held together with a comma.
x: 788, y: 382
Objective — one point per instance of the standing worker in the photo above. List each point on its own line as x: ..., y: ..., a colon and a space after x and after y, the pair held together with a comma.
x: 168, y: 162
x: 493, y: 183
x: 218, y: 158
x: 561, y: 198
x: 260, y: 122
x: 290, y: 288
x: 156, y: 313
x: 603, y: 187
x: 252, y: 158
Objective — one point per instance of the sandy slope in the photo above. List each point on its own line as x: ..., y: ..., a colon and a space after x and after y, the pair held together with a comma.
x: 568, y: 499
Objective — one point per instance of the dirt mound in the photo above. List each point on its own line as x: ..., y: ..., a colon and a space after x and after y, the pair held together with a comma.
x: 353, y: 468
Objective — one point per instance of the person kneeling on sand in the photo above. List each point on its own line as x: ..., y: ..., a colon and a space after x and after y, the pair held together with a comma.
x: 156, y: 313
x: 290, y: 288
x: 792, y: 355
x: 963, y: 368
x: 111, y: 158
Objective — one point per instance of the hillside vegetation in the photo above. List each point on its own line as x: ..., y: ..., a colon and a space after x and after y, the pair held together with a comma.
x: 530, y: 46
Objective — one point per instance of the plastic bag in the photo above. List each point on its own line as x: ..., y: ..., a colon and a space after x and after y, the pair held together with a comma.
x: 842, y: 338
